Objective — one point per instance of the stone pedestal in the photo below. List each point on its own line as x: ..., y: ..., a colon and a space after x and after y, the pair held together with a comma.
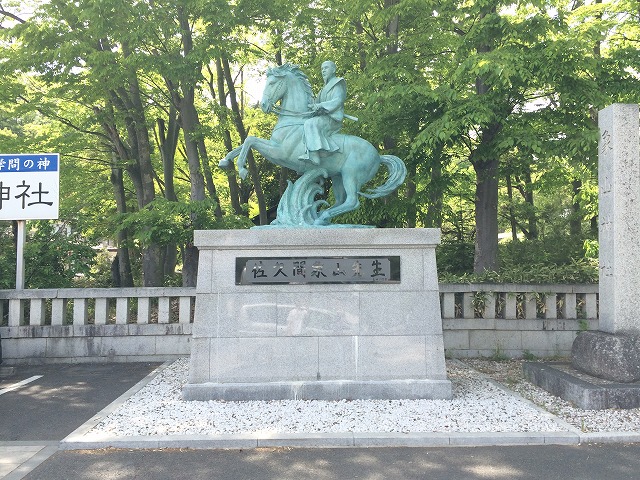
x: 317, y: 340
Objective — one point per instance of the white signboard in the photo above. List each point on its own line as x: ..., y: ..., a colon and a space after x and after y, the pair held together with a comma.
x: 29, y: 186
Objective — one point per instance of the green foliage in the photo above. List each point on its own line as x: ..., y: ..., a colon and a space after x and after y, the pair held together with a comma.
x: 549, y: 260
x: 449, y: 87
x: 164, y: 223
x: 54, y: 256
x: 454, y: 259
x: 7, y: 257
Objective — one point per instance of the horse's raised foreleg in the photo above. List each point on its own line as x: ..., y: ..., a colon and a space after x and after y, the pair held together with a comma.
x: 269, y: 149
x: 227, y: 161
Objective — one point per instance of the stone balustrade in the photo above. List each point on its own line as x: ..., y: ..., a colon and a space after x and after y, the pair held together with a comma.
x: 153, y: 324
x: 509, y: 320
x: 97, y: 306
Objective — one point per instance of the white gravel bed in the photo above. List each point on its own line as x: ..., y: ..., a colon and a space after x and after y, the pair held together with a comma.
x: 477, y: 406
x: 587, y: 421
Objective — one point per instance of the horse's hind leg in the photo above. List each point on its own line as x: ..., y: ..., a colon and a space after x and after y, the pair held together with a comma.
x: 348, y: 189
x: 338, y: 189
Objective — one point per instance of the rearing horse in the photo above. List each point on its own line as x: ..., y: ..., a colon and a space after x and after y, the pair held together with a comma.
x: 354, y: 164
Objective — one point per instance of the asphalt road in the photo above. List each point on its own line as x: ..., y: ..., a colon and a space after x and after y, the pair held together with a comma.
x: 610, y: 462
x: 62, y: 399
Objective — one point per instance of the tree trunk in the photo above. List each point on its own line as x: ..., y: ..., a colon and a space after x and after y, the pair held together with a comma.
x: 253, y: 168
x: 409, y: 194
x: 167, y: 144
x: 234, y: 189
x: 125, y: 277
x: 433, y: 217
x: 196, y: 153
x: 532, y: 219
x: 122, y: 275
x: 486, y: 215
x: 168, y: 134
x: 512, y: 215
x: 190, y: 257
x: 153, y: 254
x: 485, y: 164
x: 575, y: 223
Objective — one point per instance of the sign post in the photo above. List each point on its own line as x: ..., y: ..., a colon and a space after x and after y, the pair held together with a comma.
x: 22, y: 237
x: 29, y: 190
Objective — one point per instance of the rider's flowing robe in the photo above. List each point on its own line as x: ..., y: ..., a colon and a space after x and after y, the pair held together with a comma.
x: 328, y: 121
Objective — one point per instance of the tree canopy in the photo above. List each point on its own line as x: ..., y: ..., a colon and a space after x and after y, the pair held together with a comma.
x: 492, y: 104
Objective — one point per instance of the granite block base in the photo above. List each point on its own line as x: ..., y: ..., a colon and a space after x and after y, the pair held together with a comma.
x: 301, y: 339
x: 583, y: 390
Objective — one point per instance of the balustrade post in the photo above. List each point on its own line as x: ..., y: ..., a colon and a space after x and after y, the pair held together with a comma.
x: 489, y: 305
x: 448, y: 305
x: 551, y: 306
x: 36, y: 311
x: 531, y: 306
x: 16, y: 313
x: 591, y: 305
x: 80, y: 311
x: 144, y: 310
x: 184, y: 310
x: 122, y: 310
x: 164, y: 309
x: 102, y: 311
x: 58, y: 311
x: 570, y: 306
x: 511, y: 306
x: 467, y: 305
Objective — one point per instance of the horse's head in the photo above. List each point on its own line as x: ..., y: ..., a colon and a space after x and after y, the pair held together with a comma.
x: 274, y: 89
x: 283, y: 80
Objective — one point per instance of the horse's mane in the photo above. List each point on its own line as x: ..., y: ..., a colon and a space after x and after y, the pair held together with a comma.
x: 291, y: 69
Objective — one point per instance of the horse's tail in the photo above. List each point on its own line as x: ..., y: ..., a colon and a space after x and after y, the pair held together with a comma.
x: 397, y: 174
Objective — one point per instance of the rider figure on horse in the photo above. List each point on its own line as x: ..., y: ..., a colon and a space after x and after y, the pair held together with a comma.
x: 328, y: 113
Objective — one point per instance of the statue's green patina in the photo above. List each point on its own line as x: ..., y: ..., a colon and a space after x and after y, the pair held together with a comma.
x: 306, y: 139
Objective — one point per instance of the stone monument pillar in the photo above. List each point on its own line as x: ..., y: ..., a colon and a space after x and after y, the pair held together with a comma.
x: 614, y: 352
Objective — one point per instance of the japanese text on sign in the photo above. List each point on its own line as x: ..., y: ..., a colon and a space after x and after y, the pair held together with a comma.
x: 29, y: 186
x: 250, y: 271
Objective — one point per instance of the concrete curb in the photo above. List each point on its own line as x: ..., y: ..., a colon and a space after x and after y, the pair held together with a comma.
x: 328, y: 440
x: 41, y: 451
x: 610, y: 437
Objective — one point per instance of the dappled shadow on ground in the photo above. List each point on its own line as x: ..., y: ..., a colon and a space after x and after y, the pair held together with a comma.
x: 65, y: 397
x: 515, y: 463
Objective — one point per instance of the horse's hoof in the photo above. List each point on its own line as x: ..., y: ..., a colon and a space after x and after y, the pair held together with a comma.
x: 224, y: 163
x: 243, y: 172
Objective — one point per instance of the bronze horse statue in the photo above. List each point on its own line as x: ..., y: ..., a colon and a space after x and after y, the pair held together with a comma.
x: 354, y: 164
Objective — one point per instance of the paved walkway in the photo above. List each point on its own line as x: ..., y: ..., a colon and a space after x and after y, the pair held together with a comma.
x: 41, y: 405
x: 46, y: 409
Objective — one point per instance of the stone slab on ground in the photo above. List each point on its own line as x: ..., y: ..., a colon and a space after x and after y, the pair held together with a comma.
x: 585, y: 391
